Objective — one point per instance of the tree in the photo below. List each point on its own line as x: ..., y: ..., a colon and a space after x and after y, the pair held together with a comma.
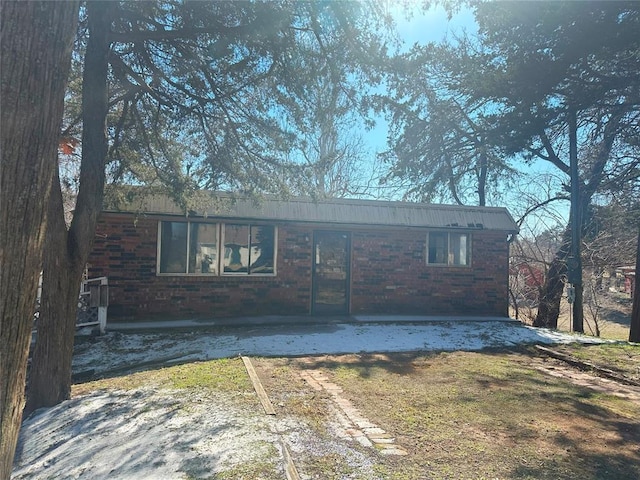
x: 217, y: 71
x: 36, y: 39
x: 67, y: 250
x: 552, y: 82
x: 438, y: 135
x: 571, y: 101
x: 324, y: 115
x: 634, y: 331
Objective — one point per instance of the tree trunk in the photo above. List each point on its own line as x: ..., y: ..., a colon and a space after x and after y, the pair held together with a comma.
x: 482, y: 179
x: 634, y: 332
x: 551, y: 295
x: 36, y: 40
x: 50, y: 381
x: 62, y: 275
x: 575, y: 263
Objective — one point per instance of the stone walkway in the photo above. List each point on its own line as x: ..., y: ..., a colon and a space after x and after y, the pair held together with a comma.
x: 354, y: 423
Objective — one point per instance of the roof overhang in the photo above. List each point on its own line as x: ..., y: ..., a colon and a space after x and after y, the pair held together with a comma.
x: 327, y: 211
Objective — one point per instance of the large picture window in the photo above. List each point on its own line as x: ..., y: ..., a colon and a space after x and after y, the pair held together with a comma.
x: 445, y: 248
x: 194, y: 248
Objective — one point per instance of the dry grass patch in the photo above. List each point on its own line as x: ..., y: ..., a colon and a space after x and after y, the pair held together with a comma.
x: 226, y: 375
x: 623, y: 358
x: 488, y: 415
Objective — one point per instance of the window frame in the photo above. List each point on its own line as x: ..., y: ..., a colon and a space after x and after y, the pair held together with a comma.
x: 249, y: 226
x: 220, y: 250
x: 187, y: 250
x: 450, y: 254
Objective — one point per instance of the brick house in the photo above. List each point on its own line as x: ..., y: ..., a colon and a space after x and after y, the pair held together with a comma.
x: 300, y: 257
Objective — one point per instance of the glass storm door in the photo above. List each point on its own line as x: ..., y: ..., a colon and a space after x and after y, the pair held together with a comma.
x: 331, y: 273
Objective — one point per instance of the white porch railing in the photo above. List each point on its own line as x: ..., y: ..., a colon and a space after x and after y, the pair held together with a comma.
x: 93, y: 303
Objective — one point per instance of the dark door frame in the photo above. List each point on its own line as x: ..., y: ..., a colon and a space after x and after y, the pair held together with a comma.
x: 319, y: 309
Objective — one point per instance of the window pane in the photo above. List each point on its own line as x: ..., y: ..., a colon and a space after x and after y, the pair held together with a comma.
x: 458, y: 246
x: 236, y: 248
x: 262, y: 249
x: 203, y: 252
x: 437, y: 248
x: 173, y: 247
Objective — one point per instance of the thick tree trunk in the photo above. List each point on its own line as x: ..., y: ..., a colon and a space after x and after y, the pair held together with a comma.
x: 36, y: 39
x: 50, y: 381
x: 551, y: 295
x: 634, y: 332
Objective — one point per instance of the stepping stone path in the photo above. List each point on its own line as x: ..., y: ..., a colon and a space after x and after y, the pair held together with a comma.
x: 354, y: 423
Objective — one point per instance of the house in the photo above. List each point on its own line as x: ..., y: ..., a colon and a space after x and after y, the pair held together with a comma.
x: 237, y: 257
x: 625, y: 280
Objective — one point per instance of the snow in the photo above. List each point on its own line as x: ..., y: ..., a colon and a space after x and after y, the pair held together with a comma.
x: 116, y: 349
x: 161, y: 434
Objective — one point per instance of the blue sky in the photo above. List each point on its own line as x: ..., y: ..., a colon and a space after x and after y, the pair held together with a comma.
x: 422, y: 27
x: 432, y: 25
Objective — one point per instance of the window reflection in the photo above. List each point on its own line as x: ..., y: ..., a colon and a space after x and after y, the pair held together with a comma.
x: 203, y: 248
x: 437, y: 247
x: 195, y: 248
x: 249, y: 249
x: 448, y: 248
x: 236, y: 248
x: 173, y: 247
x: 262, y: 249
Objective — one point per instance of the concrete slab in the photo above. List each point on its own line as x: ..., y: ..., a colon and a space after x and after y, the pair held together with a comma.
x: 291, y: 320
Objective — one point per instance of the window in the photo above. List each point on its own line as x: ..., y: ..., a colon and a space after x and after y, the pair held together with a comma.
x: 249, y: 249
x: 188, y: 244
x: 448, y: 248
x: 194, y: 248
x: 203, y: 248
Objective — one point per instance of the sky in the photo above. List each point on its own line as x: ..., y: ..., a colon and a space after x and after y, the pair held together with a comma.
x: 433, y: 25
x: 422, y: 27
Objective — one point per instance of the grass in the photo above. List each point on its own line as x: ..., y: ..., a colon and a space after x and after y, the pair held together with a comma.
x: 459, y: 415
x: 620, y: 357
x: 264, y: 468
x: 487, y: 415
x: 611, y: 319
x: 226, y: 375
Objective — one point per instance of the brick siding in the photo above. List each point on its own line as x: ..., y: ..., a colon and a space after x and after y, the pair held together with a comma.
x: 388, y: 275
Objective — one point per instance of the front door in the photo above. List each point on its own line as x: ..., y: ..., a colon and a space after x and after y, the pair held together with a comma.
x: 331, y: 273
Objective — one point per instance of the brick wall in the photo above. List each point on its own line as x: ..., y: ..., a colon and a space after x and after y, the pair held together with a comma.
x: 388, y: 275
x: 125, y: 250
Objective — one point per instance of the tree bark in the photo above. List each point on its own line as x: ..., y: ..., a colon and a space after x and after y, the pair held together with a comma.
x: 36, y: 39
x: 68, y: 250
x: 482, y: 179
x: 634, y: 331
x: 575, y: 263
x: 551, y: 295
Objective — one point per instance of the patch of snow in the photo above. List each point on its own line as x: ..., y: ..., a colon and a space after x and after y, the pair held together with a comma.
x: 116, y: 350
x: 140, y: 434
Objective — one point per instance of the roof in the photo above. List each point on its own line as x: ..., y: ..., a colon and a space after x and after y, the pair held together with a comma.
x: 334, y: 211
